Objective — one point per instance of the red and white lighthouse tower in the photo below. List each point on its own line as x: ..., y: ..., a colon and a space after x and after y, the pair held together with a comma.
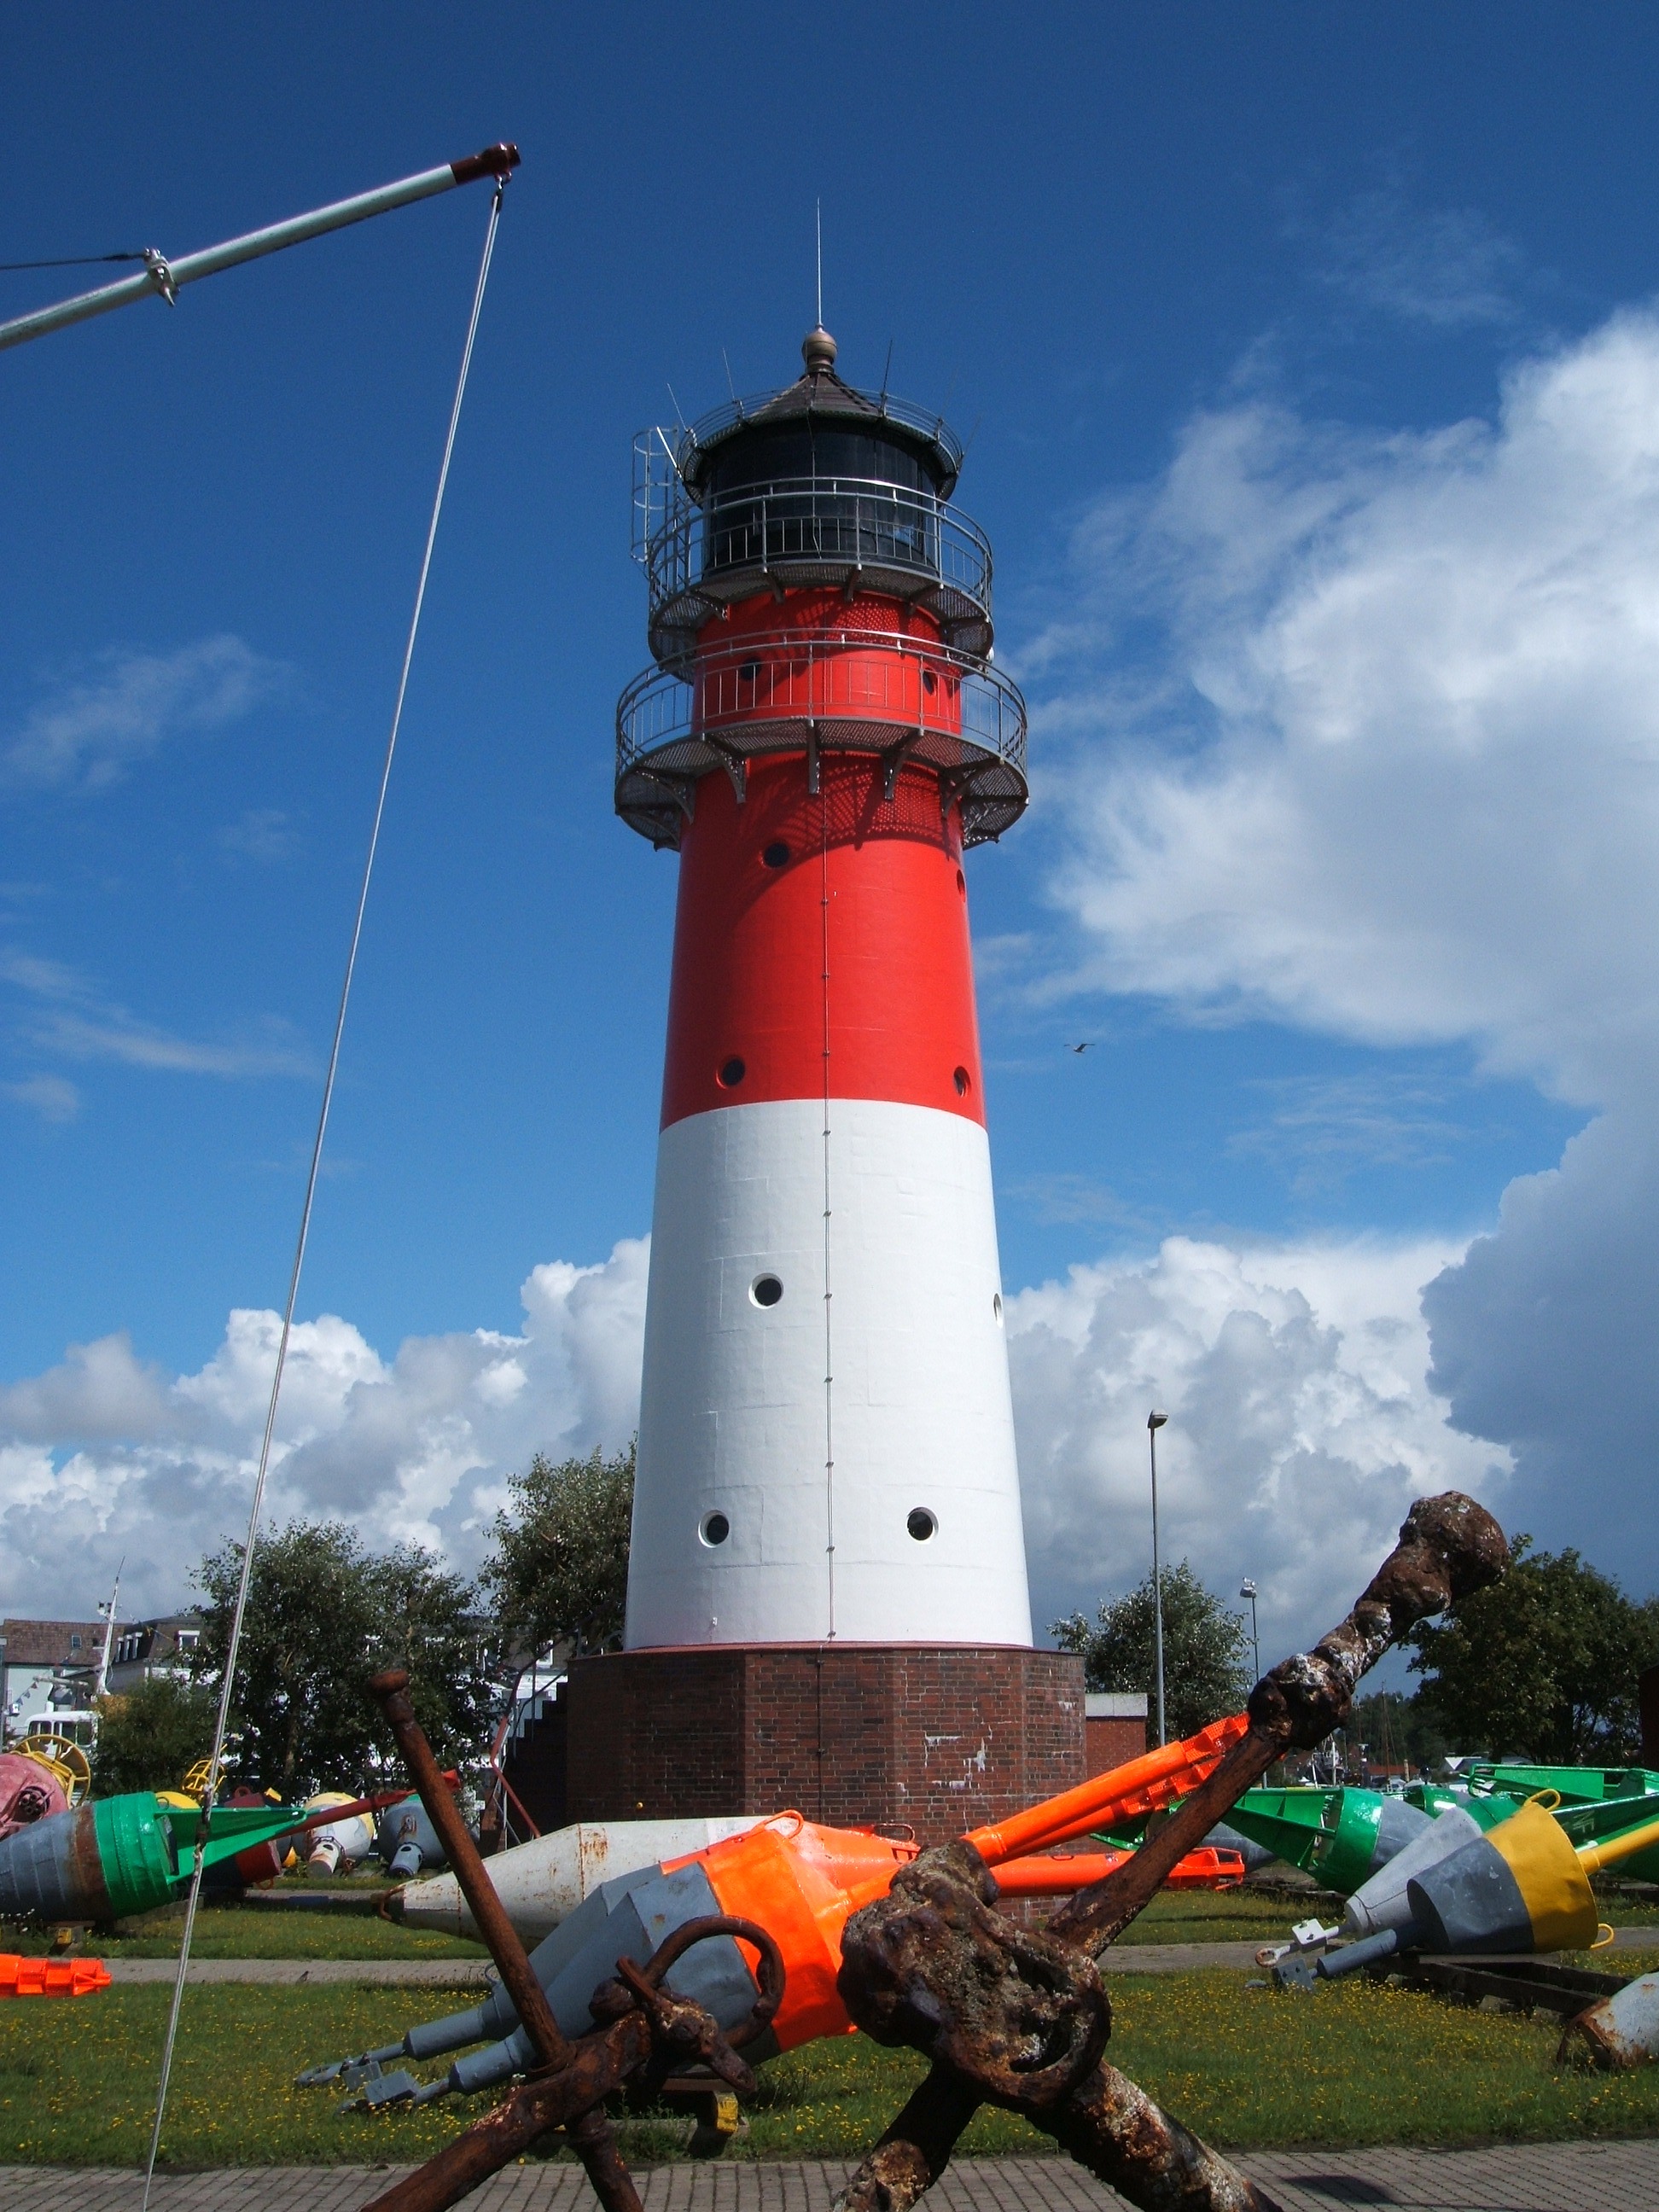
x: 826, y: 1447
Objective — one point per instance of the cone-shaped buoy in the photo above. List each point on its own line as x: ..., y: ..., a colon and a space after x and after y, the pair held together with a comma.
x: 98, y: 1861
x: 1342, y: 1836
x: 1521, y: 1889
x: 406, y: 1841
x: 800, y: 1881
x: 542, y: 1882
x: 1381, y: 1902
x: 118, y: 1855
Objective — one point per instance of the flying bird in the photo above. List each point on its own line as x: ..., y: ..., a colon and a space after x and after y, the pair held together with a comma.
x: 1085, y: 1046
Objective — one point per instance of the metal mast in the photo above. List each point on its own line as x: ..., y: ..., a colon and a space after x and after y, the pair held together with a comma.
x: 165, y: 278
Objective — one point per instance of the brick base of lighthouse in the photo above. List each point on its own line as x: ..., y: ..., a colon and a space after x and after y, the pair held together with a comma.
x: 941, y: 1738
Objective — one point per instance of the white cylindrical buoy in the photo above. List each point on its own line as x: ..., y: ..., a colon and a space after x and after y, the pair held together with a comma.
x: 542, y: 1881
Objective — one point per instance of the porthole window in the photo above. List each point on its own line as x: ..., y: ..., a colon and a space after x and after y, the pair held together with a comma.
x: 929, y: 681
x: 776, y: 856
x: 996, y: 1307
x: 921, y: 1524
x: 766, y: 1290
x: 713, y: 1528
x: 962, y: 884
x: 961, y: 1079
x: 750, y: 671
x: 732, y: 1073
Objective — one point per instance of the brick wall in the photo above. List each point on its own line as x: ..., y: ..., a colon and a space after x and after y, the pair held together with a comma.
x: 1112, y: 1742
x: 942, y: 1739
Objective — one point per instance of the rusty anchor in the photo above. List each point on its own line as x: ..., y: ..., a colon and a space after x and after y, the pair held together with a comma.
x: 1021, y: 2020
x: 644, y: 2031
x: 1006, y: 2016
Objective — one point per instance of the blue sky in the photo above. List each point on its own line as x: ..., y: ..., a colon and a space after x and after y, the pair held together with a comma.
x: 1257, y: 318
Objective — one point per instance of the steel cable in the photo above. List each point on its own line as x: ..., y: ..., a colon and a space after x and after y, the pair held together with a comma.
x: 232, y: 1648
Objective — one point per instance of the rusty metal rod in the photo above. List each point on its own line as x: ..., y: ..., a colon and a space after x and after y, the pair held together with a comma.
x: 572, y: 2098
x: 1111, y: 2126
x: 391, y: 1692
x: 1108, y: 2123
x: 1449, y: 1546
x: 915, y: 2150
x: 594, y: 2145
x: 1098, y: 1915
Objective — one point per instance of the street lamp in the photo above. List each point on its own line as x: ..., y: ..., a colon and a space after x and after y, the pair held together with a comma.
x: 1155, y: 1421
x: 1246, y: 1589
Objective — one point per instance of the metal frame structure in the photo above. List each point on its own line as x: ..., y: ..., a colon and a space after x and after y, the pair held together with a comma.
x: 163, y: 278
x: 805, y: 532
x: 899, y: 698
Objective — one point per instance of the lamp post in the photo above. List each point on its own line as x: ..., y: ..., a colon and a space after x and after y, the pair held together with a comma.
x: 1246, y: 1589
x: 1155, y: 1421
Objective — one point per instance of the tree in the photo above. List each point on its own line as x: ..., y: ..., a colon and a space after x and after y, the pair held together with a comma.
x: 322, y: 1616
x: 151, y: 1736
x: 1542, y: 1664
x: 559, y: 1570
x: 1391, y: 1731
x: 1206, y: 1649
x: 431, y: 1625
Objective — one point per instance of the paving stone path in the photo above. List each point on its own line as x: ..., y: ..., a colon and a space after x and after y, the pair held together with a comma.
x: 1510, y: 2178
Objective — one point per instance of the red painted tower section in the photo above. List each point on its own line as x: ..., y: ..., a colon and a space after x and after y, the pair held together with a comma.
x: 902, y: 1021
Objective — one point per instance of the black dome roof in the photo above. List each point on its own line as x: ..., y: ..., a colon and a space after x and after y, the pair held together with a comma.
x: 820, y: 396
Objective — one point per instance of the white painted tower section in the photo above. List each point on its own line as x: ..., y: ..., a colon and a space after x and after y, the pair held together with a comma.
x: 736, y: 1419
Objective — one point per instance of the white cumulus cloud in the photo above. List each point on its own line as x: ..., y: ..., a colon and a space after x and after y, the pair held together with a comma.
x: 1392, y: 772
x: 1301, y: 1425
x: 1301, y: 1422
x: 103, y: 1456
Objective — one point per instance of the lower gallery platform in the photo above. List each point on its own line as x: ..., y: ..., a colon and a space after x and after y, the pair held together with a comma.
x: 941, y: 1738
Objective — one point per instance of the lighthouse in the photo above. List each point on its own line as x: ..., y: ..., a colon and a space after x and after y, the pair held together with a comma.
x: 827, y: 1599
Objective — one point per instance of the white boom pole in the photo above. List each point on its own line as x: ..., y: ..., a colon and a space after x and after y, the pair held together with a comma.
x: 164, y: 278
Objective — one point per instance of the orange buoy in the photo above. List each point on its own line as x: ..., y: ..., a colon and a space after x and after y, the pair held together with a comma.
x: 803, y: 1882
x: 1209, y: 1867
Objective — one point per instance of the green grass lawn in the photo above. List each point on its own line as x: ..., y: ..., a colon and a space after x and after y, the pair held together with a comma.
x: 1227, y: 1916
x: 252, y: 1931
x: 1627, y: 1906
x: 1247, y: 2068
x: 257, y: 1931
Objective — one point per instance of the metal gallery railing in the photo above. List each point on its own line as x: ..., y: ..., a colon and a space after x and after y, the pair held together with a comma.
x: 895, y: 697
x: 824, y: 529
